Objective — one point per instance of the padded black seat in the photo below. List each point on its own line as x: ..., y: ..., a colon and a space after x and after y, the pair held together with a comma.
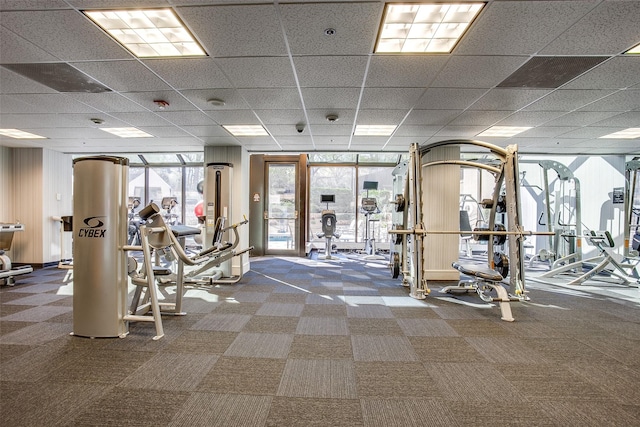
x: 184, y: 230
x: 477, y: 270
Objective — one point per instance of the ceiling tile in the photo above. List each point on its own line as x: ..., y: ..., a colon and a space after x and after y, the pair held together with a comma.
x: 460, y: 131
x: 614, y: 22
x: 109, y: 102
x: 616, y: 73
x: 477, y: 71
x: 330, y: 71
x: 331, y: 129
x: 66, y: 34
x: 320, y: 116
x: 236, y: 30
x: 233, y: 117
x: 529, y: 118
x: 232, y: 98
x: 479, y: 118
x: 625, y: 120
x: 189, y: 73
x: 206, y: 131
x: 449, y: 99
x: 122, y: 76
x: 281, y: 117
x: 260, y: 72
x: 186, y: 118
x: 620, y: 101
x: 537, y: 23
x: 579, y: 118
x: 43, y: 103
x: 431, y: 117
x: 591, y: 132
x: 547, y: 131
x: 355, y: 26
x: 404, y: 70
x: 567, y: 100
x: 390, y: 98
x: 278, y: 99
x: 417, y: 130
x: 381, y: 117
x: 330, y: 98
x: 14, y: 49
x: 508, y: 99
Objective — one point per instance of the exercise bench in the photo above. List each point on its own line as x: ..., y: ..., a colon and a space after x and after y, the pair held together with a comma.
x: 484, y: 280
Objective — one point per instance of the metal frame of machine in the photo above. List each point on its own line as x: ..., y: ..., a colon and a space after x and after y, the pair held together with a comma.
x: 407, y: 252
x: 555, y: 222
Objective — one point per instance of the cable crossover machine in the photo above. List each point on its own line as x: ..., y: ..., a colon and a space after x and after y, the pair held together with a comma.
x: 408, y: 236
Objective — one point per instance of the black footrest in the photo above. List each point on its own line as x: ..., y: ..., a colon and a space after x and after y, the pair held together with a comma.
x: 161, y: 271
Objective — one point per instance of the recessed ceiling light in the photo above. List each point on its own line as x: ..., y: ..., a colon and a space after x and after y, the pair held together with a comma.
x: 503, y: 131
x: 19, y: 134
x: 630, y: 133
x: 634, y: 50
x: 127, y: 132
x: 246, y: 130
x: 424, y: 28
x: 374, y: 130
x: 148, y: 33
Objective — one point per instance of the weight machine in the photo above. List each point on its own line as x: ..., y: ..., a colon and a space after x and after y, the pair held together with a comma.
x: 369, y: 206
x: 485, y: 279
x: 561, y: 215
x: 604, y: 262
x: 7, y: 271
x: 398, y: 260
x: 163, y: 242
x: 102, y: 266
x: 632, y: 210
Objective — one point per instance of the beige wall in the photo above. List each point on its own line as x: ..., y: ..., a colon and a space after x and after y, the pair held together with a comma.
x: 38, y: 178
x: 6, y: 191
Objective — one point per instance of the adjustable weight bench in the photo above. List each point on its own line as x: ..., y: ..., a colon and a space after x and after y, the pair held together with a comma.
x: 485, y: 279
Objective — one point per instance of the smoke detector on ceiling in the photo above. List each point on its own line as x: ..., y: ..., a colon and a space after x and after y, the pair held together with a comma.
x: 332, y: 118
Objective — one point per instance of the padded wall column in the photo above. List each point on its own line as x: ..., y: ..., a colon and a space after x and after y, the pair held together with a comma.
x: 441, y: 205
x: 99, y: 234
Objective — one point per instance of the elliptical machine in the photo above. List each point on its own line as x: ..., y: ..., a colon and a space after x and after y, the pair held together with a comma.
x: 369, y: 207
x: 328, y: 225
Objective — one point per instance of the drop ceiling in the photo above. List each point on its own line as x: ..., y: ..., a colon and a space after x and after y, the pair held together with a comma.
x: 273, y: 65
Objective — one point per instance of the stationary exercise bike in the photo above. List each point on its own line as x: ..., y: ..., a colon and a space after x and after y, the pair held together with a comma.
x: 328, y: 225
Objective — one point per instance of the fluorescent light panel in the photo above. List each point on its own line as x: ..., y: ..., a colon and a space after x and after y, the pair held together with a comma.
x: 127, y: 132
x: 246, y: 130
x: 503, y: 131
x: 424, y: 28
x: 634, y: 50
x: 630, y: 133
x: 374, y: 130
x: 20, y: 134
x: 148, y: 33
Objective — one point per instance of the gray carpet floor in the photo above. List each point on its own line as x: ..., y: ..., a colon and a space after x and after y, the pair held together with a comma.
x: 301, y: 342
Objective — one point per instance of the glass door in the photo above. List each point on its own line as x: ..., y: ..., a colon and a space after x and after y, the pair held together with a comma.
x: 282, y: 208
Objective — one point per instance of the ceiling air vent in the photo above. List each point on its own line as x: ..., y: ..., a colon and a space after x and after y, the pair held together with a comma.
x: 550, y: 71
x: 59, y: 76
